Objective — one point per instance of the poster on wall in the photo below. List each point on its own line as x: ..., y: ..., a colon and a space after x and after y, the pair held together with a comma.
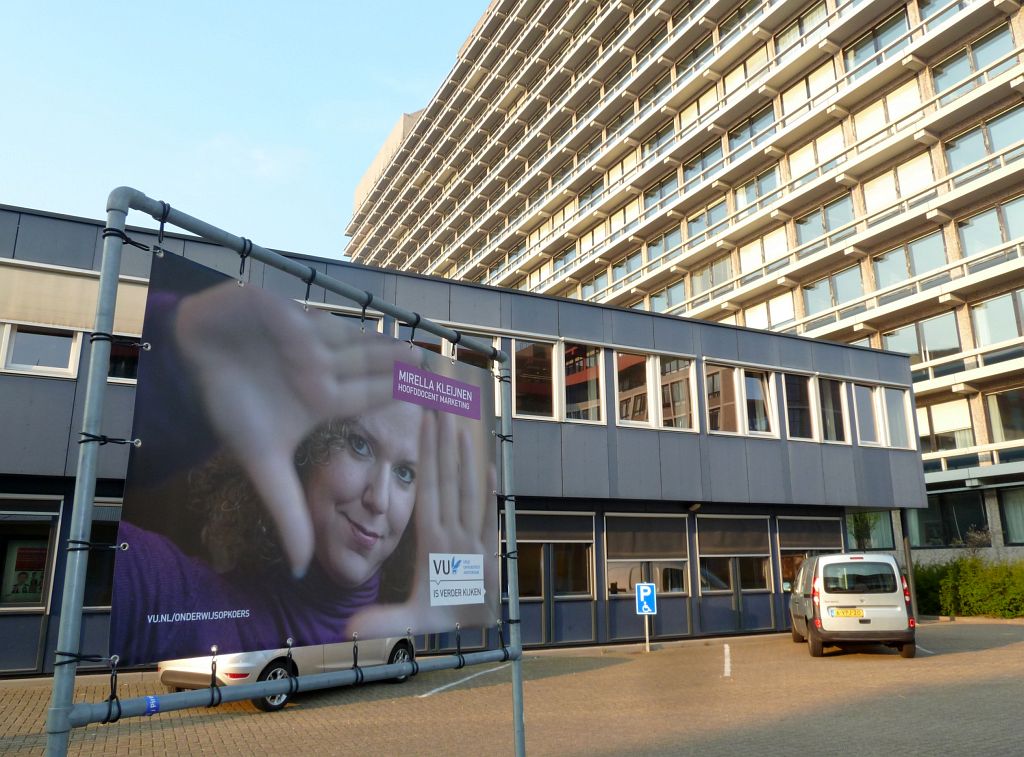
x: 24, y: 566
x: 297, y: 477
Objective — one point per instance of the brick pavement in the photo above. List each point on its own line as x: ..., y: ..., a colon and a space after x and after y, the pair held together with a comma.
x: 616, y: 700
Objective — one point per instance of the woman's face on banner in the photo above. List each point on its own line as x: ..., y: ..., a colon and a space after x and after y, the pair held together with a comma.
x: 361, y: 499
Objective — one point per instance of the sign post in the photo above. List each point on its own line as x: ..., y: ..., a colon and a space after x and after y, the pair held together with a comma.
x: 646, y: 605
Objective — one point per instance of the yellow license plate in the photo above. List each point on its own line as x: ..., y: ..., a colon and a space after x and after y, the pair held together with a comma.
x: 847, y: 612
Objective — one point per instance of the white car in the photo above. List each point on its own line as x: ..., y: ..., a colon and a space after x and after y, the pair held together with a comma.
x: 854, y: 598
x: 272, y: 664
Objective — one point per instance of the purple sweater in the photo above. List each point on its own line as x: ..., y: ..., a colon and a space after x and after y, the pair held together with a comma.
x: 169, y: 605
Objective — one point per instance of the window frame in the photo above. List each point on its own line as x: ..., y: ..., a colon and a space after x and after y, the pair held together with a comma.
x: 844, y: 403
x: 8, y: 336
x: 686, y: 560
x: 739, y: 376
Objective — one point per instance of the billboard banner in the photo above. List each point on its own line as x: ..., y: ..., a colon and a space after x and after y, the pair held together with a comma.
x: 299, y: 477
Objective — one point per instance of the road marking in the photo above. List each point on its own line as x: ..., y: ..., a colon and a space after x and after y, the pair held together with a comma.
x: 922, y: 649
x: 727, y: 673
x: 462, y: 680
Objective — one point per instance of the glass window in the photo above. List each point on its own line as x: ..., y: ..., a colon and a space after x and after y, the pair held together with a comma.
x: 896, y: 416
x: 631, y: 382
x: 859, y: 578
x: 997, y: 320
x: 828, y: 218
x: 124, y: 361
x: 99, y: 578
x: 757, y: 393
x: 646, y: 549
x: 571, y: 569
x: 912, y: 259
x: 980, y: 232
x: 950, y: 521
x: 798, y: 406
x: 833, y: 423
x: 945, y: 426
x: 870, y: 529
x: 720, y: 390
x: 582, y: 382
x: 903, y: 339
x: 25, y: 551
x: 877, y: 45
x: 833, y: 290
x: 976, y: 56
x: 530, y: 561
x: 534, y: 387
x: 1006, y: 414
x: 1011, y: 506
x: 864, y: 403
x: 939, y: 336
x: 676, y: 409
x: 33, y: 349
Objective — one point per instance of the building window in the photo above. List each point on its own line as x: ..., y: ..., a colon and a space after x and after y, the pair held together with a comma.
x: 720, y: 391
x: 564, y: 258
x: 993, y: 136
x: 882, y: 42
x: 631, y: 383
x: 124, y: 361
x: 627, y: 265
x: 833, y: 410
x: 799, y: 415
x: 1011, y: 507
x: 534, y: 389
x: 702, y: 225
x: 833, y: 290
x: 646, y: 549
x: 818, y: 156
x: 1000, y: 319
x: 733, y: 552
x: 750, y: 67
x: 657, y: 140
x: 865, y: 407
x: 591, y: 193
x: 870, y: 529
x: 668, y: 298
x: 582, y: 382
x: 945, y: 426
x: 896, y: 417
x: 759, y: 190
x: 711, y: 275
x: 706, y: 160
x: 676, y: 399
x: 975, y: 57
x: 991, y: 228
x: 26, y: 528
x: 819, y: 80
x: 800, y: 536
x: 834, y: 219
x: 751, y: 131
x: 661, y: 191
x: 927, y: 340
x: 666, y: 245
x: 757, y: 392
x: 949, y: 520
x: 772, y: 248
x: 909, y: 182
x: 1006, y: 414
x: 772, y: 314
x: 595, y: 286
x: 99, y: 577
x: 808, y: 22
x: 44, y: 351
x: 909, y: 260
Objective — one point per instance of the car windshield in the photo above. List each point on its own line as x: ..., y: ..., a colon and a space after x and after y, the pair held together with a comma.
x: 859, y: 578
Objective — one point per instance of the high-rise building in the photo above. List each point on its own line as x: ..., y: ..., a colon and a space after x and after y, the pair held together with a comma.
x: 844, y: 170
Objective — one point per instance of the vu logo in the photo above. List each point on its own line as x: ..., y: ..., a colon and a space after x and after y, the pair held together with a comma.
x: 447, y: 567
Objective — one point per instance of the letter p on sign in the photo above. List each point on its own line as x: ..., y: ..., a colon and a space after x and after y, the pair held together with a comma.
x: 646, y: 600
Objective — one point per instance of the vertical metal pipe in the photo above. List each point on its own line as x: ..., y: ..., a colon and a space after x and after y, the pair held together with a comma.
x: 58, y: 726
x: 512, y: 565
x: 908, y: 556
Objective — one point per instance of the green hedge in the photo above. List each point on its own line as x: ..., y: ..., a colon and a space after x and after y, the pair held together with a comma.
x: 971, y: 586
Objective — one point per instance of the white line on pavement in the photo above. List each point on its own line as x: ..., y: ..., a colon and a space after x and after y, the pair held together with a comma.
x: 462, y: 680
x: 727, y: 673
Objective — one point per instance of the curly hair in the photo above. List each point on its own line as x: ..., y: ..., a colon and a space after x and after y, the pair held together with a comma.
x: 236, y: 533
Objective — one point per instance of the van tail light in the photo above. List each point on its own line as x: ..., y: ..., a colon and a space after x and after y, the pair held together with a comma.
x: 911, y: 621
x: 816, y: 592
x: 236, y: 676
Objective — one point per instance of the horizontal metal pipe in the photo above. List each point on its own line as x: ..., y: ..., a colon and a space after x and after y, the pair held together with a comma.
x: 139, y: 201
x: 97, y: 712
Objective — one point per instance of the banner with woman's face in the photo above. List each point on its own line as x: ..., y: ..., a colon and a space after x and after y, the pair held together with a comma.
x: 300, y: 476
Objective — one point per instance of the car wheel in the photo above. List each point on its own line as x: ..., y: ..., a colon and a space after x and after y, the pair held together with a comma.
x: 400, y: 653
x: 814, y: 643
x: 908, y: 650
x: 797, y: 638
x: 275, y: 671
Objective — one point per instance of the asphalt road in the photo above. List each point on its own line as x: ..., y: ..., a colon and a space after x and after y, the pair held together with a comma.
x: 761, y: 695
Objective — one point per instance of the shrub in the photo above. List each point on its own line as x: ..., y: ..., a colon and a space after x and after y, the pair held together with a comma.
x: 927, y: 579
x: 970, y: 586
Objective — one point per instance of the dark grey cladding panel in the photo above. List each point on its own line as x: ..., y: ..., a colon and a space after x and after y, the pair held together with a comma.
x: 533, y: 314
x: 675, y: 335
x: 224, y: 260
x: 907, y: 479
x: 57, y: 241
x: 893, y: 368
x: 579, y: 322
x: 635, y: 459
x: 806, y: 478
x: 37, y: 416
x: 757, y: 347
x: 479, y: 307
x: 358, y: 277
x: 796, y: 353
x: 727, y: 469
x: 585, y: 469
x: 768, y: 471
x: 136, y: 262
x: 863, y: 364
x: 634, y: 329
x: 830, y: 359
x: 840, y: 476
x: 681, y: 474
x: 286, y: 285
x: 874, y: 476
x: 538, y: 458
x: 718, y: 341
x: 118, y: 410
x: 8, y: 233
x: 428, y: 298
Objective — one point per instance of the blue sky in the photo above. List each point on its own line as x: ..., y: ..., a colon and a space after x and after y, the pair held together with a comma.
x: 259, y: 117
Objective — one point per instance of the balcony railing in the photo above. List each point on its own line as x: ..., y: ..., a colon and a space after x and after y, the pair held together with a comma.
x: 980, y: 455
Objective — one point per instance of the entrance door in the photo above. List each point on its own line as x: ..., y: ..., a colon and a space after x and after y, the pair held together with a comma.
x: 735, y: 574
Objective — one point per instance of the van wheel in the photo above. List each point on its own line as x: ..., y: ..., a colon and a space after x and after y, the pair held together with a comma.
x: 400, y: 653
x: 908, y: 650
x: 797, y: 638
x: 275, y: 671
x: 814, y: 643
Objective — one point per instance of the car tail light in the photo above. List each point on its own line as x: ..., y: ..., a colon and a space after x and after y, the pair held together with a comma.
x: 816, y: 591
x: 906, y: 590
x: 911, y: 621
x: 236, y: 676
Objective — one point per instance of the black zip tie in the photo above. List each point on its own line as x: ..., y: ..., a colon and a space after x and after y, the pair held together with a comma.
x: 504, y: 437
x: 503, y: 498
x: 75, y: 657
x: 85, y: 546
x: 501, y: 641
x: 165, y: 210
x: 216, y: 695
x: 113, y: 699
x: 412, y: 334
x: 355, y: 659
x: 513, y: 555
x: 109, y: 232
x: 513, y: 621
x: 458, y: 647
x: 103, y: 439
x: 309, y: 285
x: 245, y: 252
x: 103, y: 336
x: 503, y: 379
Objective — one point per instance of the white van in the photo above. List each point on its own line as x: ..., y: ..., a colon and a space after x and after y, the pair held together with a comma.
x: 855, y: 598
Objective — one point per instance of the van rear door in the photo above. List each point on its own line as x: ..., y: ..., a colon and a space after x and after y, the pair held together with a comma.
x: 861, y: 595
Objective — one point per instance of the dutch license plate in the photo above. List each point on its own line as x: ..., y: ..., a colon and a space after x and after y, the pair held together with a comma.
x: 846, y: 612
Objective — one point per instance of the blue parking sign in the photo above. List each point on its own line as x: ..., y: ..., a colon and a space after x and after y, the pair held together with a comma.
x: 646, y: 600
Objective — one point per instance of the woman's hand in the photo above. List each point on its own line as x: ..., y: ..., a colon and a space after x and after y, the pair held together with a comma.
x: 268, y: 373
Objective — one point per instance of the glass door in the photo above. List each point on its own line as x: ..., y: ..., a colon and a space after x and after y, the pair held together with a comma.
x: 735, y: 575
